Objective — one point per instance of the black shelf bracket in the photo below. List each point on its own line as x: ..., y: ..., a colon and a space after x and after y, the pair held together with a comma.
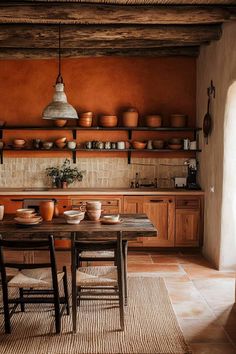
x: 1, y: 157
x: 1, y: 132
x: 129, y: 157
x: 74, y: 156
x: 130, y: 134
x: 74, y: 132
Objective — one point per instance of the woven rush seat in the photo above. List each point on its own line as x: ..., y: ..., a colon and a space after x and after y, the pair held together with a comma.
x: 34, y: 278
x: 96, y: 276
x: 97, y: 254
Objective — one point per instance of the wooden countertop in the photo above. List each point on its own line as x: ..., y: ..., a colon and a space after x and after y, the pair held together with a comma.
x: 96, y: 191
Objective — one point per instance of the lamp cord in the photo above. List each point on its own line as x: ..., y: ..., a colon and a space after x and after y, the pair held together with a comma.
x: 59, y: 77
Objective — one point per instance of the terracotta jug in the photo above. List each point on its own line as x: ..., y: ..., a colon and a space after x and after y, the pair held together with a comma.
x: 46, y: 210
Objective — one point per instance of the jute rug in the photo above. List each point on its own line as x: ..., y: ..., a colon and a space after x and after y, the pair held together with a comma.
x: 150, y: 326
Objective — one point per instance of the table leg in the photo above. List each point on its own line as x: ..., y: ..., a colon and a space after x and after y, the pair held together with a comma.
x: 73, y: 275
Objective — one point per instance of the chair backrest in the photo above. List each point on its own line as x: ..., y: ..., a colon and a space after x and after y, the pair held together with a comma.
x: 28, y: 245
x: 99, y: 245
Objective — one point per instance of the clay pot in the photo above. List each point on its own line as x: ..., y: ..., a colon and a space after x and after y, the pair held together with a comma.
x: 178, y: 120
x: 139, y: 145
x: 153, y: 120
x: 85, y: 119
x: 130, y: 118
x: 46, y: 210
x: 158, y: 144
x: 60, y: 122
x: 108, y: 121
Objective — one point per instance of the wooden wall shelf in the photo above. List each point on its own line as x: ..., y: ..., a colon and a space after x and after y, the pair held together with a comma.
x: 74, y: 130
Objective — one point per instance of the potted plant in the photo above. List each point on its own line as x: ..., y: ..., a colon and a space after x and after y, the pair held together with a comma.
x: 64, y: 175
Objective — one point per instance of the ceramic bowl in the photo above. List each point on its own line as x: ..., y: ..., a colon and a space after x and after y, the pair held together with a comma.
x: 175, y: 146
x: 93, y: 205
x: 94, y: 215
x: 158, y: 144
x: 175, y: 141
x: 153, y: 120
x: 47, y: 145
x: 60, y: 140
x: 60, y: 145
x: 60, y: 122
x: 25, y: 213
x: 178, y: 120
x: 108, y: 121
x: 139, y: 145
x: 18, y: 142
x: 71, y: 145
x: 111, y: 217
x: 74, y: 215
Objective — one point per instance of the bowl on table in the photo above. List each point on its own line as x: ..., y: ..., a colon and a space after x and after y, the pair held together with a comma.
x: 94, y: 215
x: 25, y: 213
x: 73, y: 216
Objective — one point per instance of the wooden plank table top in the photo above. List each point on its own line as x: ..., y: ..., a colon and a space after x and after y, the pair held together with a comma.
x: 131, y: 226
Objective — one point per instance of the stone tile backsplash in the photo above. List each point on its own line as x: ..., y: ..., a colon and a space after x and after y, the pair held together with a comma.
x: 100, y: 172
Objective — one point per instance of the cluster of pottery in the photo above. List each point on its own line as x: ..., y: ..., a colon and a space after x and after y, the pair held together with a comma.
x: 130, y: 119
x: 107, y: 145
x: 60, y: 143
x: 173, y: 144
x: 93, y: 210
x: 27, y: 217
x: 74, y: 216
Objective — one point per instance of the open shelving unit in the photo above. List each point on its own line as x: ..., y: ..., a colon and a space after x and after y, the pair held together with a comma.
x: 74, y: 130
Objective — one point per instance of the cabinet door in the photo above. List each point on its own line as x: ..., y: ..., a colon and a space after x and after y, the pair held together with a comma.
x: 161, y: 211
x: 134, y: 205
x: 187, y: 232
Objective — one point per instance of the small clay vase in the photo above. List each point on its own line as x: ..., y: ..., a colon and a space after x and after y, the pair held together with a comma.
x: 46, y: 210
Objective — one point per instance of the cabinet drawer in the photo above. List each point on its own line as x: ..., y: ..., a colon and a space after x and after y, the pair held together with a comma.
x: 188, y: 203
x: 104, y: 202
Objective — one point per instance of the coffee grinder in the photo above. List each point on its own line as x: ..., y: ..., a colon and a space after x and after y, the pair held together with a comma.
x: 192, y: 174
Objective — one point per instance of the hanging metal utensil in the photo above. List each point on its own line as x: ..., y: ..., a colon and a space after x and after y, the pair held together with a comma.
x: 207, y: 121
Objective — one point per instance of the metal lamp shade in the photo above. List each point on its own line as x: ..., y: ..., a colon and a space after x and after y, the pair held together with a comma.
x: 59, y: 108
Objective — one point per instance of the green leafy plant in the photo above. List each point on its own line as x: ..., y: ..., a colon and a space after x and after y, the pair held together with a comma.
x: 64, y: 173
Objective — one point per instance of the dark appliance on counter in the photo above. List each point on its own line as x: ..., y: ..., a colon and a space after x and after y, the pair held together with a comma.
x: 192, y: 175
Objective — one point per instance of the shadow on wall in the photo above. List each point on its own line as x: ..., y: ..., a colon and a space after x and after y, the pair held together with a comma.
x: 228, y: 215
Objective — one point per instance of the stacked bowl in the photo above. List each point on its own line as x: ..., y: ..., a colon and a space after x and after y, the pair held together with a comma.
x: 93, y: 210
x: 27, y: 217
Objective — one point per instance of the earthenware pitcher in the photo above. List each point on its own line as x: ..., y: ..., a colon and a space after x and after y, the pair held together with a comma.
x: 46, y: 210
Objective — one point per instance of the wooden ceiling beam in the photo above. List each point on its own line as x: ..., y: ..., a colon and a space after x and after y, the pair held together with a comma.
x: 71, y: 13
x: 24, y: 53
x: 32, y: 36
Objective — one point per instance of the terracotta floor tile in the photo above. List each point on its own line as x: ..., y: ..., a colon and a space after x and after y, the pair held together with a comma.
x: 184, y: 292
x: 165, y: 259
x: 161, y: 270
x: 194, y: 259
x: 213, y: 348
x: 201, y: 271
x: 193, y: 309
x: 217, y: 292
x: 226, y: 316
x: 203, y: 330
x: 146, y: 259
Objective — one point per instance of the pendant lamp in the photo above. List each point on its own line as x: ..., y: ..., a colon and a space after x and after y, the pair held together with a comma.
x: 59, y: 109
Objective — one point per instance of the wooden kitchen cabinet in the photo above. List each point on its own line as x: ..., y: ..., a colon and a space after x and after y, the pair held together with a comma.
x: 161, y: 211
x: 188, y: 221
x: 11, y: 204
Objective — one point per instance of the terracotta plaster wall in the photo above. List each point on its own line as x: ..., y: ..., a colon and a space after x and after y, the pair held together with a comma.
x: 216, y: 62
x: 102, y: 85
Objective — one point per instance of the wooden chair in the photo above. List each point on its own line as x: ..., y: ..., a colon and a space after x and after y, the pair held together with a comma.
x: 33, y: 279
x: 100, y: 282
x: 107, y: 256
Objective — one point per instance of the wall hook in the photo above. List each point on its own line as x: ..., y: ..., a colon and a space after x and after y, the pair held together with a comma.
x: 211, y: 90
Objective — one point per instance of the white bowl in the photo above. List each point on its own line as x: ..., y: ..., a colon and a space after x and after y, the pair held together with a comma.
x: 73, y: 221
x: 111, y: 217
x: 74, y: 215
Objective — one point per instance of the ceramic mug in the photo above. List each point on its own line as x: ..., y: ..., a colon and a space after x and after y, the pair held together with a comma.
x: 121, y: 145
x: 193, y: 145
x: 71, y: 144
x: 186, y: 144
x: 1, y: 211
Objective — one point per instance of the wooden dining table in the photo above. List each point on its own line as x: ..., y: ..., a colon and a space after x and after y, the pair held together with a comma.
x: 130, y: 227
